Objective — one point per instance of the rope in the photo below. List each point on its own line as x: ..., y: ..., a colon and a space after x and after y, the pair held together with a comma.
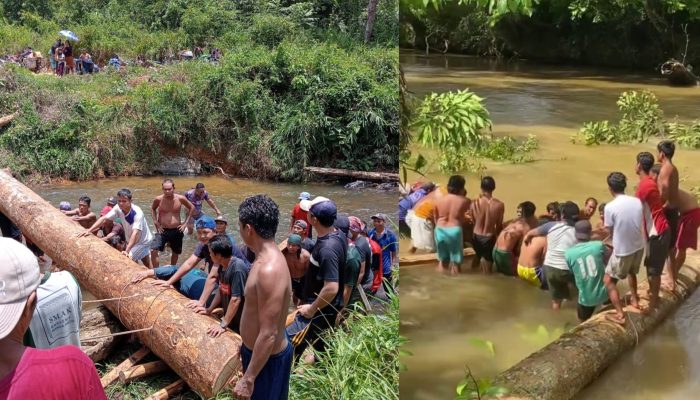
x: 115, y: 334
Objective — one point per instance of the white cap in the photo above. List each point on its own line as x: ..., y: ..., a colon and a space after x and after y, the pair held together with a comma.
x: 19, y: 277
x: 307, y: 204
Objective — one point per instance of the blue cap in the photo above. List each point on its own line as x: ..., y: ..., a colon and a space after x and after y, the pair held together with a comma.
x: 323, y: 209
x: 206, y: 222
x: 304, y: 196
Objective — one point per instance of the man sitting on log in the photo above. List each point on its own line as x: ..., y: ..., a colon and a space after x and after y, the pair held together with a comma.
x: 266, y: 353
x: 25, y: 373
x: 82, y: 214
x: 136, y: 229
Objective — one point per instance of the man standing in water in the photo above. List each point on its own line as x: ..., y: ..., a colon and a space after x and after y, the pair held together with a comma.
x: 623, y: 218
x: 668, y: 187
x: 450, y: 219
x: 299, y: 214
x: 166, y: 209
x: 655, y: 225
x: 196, y: 196
x: 488, y: 222
x: 82, y: 214
x: 135, y: 226
x: 298, y: 262
x: 265, y: 351
x: 505, y: 251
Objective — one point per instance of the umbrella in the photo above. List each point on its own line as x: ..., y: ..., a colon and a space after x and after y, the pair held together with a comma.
x: 69, y: 35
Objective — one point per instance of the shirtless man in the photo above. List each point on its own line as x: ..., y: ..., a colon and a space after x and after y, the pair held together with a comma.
x: 588, y: 209
x: 450, y: 220
x: 668, y: 186
x: 166, y: 210
x: 689, y: 222
x: 196, y: 196
x: 298, y: 262
x: 531, y: 262
x: 82, y: 214
x: 266, y: 353
x: 505, y: 252
x: 487, y: 212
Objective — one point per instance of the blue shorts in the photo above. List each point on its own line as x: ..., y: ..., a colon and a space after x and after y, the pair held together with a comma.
x: 272, y: 383
x: 191, y: 285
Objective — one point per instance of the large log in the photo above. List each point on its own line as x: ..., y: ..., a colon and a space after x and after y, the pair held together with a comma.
x: 347, y: 173
x: 96, y: 328
x: 174, y: 333
x: 564, y: 367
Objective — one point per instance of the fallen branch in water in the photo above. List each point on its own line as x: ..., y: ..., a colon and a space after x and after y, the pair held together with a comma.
x: 223, y: 173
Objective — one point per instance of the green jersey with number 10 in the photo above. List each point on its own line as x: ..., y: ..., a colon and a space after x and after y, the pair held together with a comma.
x: 586, y: 262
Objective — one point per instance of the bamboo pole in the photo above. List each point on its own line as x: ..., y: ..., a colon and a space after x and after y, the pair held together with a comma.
x: 564, y: 367
x: 112, y: 376
x: 142, y: 371
x: 347, y: 173
x: 174, y: 333
x: 170, y: 390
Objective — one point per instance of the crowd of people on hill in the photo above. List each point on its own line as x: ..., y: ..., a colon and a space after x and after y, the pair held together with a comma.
x: 561, y: 251
x: 256, y: 284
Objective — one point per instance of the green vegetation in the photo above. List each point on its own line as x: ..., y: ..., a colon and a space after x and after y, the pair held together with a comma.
x: 641, y: 118
x: 296, y: 86
x: 640, y: 33
x: 470, y: 388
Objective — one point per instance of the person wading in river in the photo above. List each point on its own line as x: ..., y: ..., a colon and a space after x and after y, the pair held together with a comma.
x: 655, y: 225
x: 298, y: 262
x: 560, y: 237
x: 624, y: 217
x: 450, y: 220
x: 668, y: 187
x: 82, y: 214
x: 135, y: 226
x: 588, y: 209
x: 196, y: 196
x: 507, y: 246
x: 689, y: 222
x: 299, y: 214
x: 166, y: 209
x: 300, y: 228
x: 265, y: 351
x: 488, y: 222
x: 531, y: 262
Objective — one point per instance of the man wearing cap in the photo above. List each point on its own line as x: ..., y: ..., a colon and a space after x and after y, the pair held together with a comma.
x: 301, y: 228
x: 26, y: 373
x: 299, y: 213
x: 166, y: 212
x: 387, y: 239
x: 221, y: 226
x: 196, y: 196
x: 297, y: 262
x: 322, y: 295
x: 136, y: 230
x: 358, y: 238
x: 586, y: 260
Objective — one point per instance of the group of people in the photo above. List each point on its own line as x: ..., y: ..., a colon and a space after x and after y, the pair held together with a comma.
x: 561, y: 251
x: 255, y: 284
x: 62, y: 60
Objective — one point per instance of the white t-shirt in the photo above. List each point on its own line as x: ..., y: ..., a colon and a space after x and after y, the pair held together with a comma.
x: 624, y: 216
x: 56, y: 319
x: 134, y: 220
x: 560, y: 238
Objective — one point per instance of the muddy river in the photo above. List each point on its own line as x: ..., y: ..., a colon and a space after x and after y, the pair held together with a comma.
x: 440, y: 315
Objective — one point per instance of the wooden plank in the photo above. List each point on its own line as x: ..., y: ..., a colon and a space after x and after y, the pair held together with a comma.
x: 168, y: 391
x: 112, y: 376
x: 423, y: 259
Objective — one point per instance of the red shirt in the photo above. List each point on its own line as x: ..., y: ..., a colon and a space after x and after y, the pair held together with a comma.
x: 655, y: 222
x: 299, y: 214
x: 61, y: 373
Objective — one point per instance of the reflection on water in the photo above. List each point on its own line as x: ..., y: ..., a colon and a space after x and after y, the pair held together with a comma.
x: 439, y: 313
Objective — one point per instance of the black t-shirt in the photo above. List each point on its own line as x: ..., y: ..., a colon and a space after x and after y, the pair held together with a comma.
x: 202, y: 251
x: 8, y: 228
x: 308, y: 244
x: 327, y: 264
x: 68, y: 51
x: 232, y: 284
x: 365, y: 250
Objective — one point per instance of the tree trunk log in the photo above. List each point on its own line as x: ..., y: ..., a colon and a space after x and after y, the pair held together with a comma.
x: 98, y: 323
x: 7, y: 119
x: 371, y: 16
x: 112, y: 376
x: 564, y: 367
x: 142, y: 371
x: 176, y: 335
x: 170, y: 390
x: 346, y: 173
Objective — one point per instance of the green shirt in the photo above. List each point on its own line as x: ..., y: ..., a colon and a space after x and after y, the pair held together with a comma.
x: 586, y: 262
x: 352, y: 271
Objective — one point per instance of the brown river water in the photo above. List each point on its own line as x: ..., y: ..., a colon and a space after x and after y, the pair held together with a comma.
x: 441, y: 314
x: 226, y: 194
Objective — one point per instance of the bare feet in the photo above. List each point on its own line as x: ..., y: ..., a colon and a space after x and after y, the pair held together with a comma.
x: 634, y: 301
x: 454, y: 270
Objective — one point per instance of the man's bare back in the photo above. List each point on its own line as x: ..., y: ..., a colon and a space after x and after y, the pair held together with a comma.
x: 686, y: 201
x: 169, y: 210
x: 488, y: 215
x: 450, y: 210
x: 512, y: 234
x: 297, y: 265
x: 268, y: 291
x: 532, y: 255
x: 668, y: 184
